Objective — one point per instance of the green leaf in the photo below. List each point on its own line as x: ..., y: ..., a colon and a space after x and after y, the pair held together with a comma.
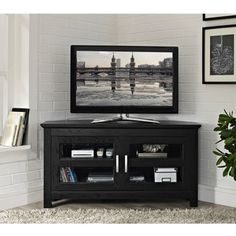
x: 225, y: 134
x: 222, y: 166
x: 231, y: 157
x: 219, y: 141
x: 223, y: 117
x: 219, y: 161
x: 232, y: 172
x: 217, y: 129
x: 229, y: 141
x: 217, y: 153
x: 226, y: 170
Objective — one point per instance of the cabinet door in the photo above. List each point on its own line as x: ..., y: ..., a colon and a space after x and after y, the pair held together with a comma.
x: 97, y: 172
x: 143, y: 155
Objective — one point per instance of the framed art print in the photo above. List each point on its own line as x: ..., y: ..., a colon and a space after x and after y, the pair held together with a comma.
x: 207, y: 17
x: 218, y: 51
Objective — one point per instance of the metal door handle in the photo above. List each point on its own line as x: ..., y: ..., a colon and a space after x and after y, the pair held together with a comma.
x: 117, y: 163
x: 126, y: 163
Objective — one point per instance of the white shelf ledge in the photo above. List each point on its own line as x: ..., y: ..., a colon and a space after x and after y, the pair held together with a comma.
x: 13, y: 149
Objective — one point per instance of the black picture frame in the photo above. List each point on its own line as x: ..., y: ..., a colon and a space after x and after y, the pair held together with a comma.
x: 205, y: 18
x: 123, y: 109
x: 207, y: 77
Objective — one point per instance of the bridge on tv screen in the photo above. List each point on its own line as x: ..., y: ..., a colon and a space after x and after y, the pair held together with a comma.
x: 91, y: 73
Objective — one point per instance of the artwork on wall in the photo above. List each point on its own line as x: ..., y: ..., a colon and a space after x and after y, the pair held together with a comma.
x: 219, y: 63
x: 207, y: 17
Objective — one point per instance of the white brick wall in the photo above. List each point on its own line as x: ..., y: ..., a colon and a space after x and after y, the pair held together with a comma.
x: 198, y: 102
x: 20, y: 179
x: 5, y: 180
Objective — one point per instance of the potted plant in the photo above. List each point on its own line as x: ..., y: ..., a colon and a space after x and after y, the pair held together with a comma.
x: 227, y: 130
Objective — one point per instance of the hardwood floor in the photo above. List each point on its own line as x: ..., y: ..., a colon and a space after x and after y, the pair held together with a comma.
x: 122, y: 205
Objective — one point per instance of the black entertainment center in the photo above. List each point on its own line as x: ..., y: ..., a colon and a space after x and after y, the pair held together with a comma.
x: 122, y: 157
x: 125, y: 174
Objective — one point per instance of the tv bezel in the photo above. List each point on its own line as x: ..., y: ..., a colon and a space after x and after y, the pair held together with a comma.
x: 74, y: 108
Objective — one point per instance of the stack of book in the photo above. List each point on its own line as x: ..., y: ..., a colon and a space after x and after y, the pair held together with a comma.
x: 68, y: 175
x: 15, y: 127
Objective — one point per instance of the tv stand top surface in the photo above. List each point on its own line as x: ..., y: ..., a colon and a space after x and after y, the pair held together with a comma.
x: 119, y: 124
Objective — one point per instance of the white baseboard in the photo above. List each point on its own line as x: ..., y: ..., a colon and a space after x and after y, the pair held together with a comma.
x: 217, y: 195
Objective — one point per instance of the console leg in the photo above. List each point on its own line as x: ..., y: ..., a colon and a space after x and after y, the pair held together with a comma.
x: 194, y: 202
x: 47, y: 198
x: 47, y: 203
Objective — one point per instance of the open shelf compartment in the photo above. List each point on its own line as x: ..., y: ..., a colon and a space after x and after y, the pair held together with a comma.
x: 146, y: 175
x: 86, y: 175
x: 156, y: 151
x: 96, y: 150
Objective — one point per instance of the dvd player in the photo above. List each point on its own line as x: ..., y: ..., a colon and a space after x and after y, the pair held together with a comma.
x: 82, y: 153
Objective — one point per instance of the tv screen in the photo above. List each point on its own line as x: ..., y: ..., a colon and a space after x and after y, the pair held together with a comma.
x: 124, y: 79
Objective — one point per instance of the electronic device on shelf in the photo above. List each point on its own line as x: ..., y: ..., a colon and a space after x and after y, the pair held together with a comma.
x: 82, y: 153
x: 152, y: 154
x: 95, y: 177
x: 124, y: 80
x: 137, y: 178
x: 153, y: 151
x: 165, y: 175
x: 100, y: 152
x: 109, y: 152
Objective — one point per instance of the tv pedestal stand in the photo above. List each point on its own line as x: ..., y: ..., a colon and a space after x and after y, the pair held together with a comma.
x: 125, y: 117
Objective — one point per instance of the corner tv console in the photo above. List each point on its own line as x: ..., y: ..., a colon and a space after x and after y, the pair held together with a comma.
x: 128, y: 173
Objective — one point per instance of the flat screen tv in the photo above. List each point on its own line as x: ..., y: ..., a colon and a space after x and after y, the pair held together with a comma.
x: 124, y: 79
